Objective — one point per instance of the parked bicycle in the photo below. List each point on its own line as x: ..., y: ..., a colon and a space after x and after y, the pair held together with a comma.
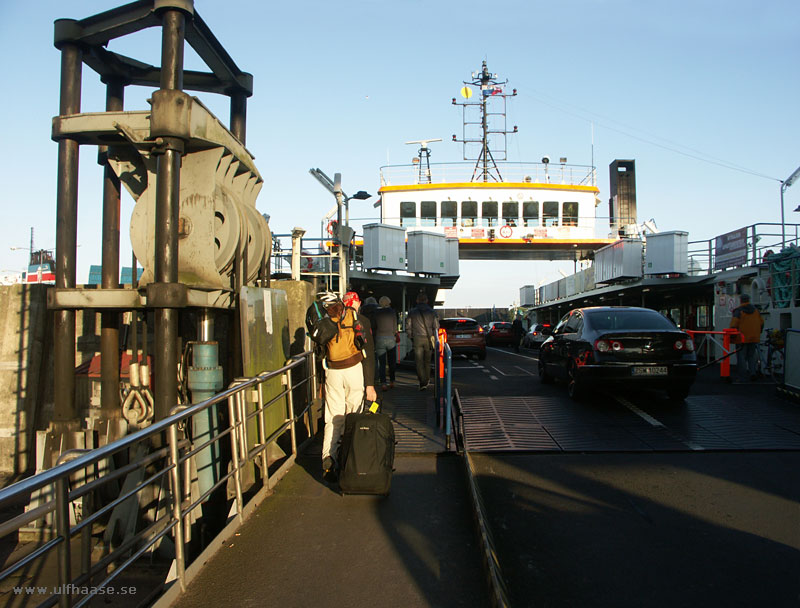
x: 770, y: 355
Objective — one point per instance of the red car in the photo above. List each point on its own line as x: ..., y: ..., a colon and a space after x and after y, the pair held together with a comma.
x: 465, y: 337
x: 499, y: 333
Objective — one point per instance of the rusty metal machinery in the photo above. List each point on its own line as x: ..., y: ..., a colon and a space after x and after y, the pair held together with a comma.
x: 195, y: 228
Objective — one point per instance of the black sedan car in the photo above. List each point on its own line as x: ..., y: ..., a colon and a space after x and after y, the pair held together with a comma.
x: 594, y: 348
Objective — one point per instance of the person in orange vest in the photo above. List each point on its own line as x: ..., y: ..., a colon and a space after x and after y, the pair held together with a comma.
x: 747, y: 320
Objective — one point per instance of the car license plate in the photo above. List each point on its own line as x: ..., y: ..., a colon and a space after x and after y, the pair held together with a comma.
x: 650, y: 371
x: 462, y: 336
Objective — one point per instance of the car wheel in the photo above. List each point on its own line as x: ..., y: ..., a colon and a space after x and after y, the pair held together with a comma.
x: 678, y: 393
x: 544, y: 377
x: 574, y: 386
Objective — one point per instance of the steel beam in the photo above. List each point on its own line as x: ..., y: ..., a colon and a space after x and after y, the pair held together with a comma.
x: 167, y: 206
x: 66, y: 238
x: 109, y: 332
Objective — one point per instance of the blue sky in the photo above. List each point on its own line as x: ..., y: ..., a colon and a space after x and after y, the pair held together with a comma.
x: 342, y: 86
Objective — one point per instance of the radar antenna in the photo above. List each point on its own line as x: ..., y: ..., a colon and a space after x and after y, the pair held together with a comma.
x: 491, y: 125
x: 424, y: 159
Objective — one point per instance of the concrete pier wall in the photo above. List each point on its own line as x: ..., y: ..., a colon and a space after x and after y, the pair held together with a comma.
x: 26, y: 373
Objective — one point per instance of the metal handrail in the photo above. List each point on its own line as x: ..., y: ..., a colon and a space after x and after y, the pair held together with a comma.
x: 174, y: 459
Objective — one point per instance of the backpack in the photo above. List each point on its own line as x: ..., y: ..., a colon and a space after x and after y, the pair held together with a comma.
x: 321, y: 328
x: 344, y: 349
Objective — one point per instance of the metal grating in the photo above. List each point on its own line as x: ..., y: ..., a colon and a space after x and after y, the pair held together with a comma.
x: 541, y: 423
x: 414, y: 422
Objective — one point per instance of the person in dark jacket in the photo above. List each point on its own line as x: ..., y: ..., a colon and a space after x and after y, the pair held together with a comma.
x: 423, y: 325
x: 370, y: 309
x: 385, y: 330
x: 518, y: 331
x: 747, y: 320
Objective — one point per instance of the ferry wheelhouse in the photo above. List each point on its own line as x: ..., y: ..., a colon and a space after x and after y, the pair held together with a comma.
x: 495, y: 208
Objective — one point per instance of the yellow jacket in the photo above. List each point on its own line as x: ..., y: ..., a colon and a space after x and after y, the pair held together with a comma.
x: 747, y: 320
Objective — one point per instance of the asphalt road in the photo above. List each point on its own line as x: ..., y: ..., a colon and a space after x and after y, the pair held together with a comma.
x: 695, y: 504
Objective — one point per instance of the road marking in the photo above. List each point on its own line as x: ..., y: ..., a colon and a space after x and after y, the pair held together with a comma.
x: 527, y: 371
x: 648, y: 418
x: 513, y: 354
x: 493, y: 378
x: 502, y: 373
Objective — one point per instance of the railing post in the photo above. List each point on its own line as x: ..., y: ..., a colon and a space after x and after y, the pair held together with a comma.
x: 177, y: 499
x: 262, y: 429
x: 725, y: 365
x: 311, y: 390
x: 290, y: 408
x: 62, y: 530
x: 448, y: 430
x: 232, y: 411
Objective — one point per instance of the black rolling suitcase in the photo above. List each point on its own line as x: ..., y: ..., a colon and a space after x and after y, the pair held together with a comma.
x: 367, y: 454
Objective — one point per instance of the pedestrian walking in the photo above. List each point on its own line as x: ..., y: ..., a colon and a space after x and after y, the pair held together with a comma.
x: 423, y: 326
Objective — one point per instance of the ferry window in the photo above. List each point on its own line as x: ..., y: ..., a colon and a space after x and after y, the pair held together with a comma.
x: 550, y: 213
x: 427, y: 213
x: 510, y: 213
x: 569, y: 215
x: 469, y: 213
x: 408, y: 213
x: 489, y: 213
x: 530, y: 213
x: 449, y: 213
x: 702, y: 317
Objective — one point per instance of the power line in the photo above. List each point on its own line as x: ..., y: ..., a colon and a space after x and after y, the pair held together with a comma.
x: 706, y: 158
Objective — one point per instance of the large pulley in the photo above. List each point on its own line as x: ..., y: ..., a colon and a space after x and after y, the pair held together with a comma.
x: 217, y: 216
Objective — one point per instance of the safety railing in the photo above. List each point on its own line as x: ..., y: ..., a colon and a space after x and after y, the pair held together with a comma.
x: 709, y: 337
x: 72, y: 499
x: 464, y: 172
x: 761, y: 240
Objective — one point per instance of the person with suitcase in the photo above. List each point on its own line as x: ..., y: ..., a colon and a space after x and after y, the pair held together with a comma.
x: 350, y: 372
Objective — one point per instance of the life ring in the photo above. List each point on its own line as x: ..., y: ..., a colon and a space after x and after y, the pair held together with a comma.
x: 505, y: 231
x: 331, y: 228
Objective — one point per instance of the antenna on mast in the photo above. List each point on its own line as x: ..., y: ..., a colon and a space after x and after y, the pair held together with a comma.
x: 424, y: 158
x: 491, y: 123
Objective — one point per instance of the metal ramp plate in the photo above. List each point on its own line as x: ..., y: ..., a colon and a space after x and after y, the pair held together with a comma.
x: 413, y: 419
x: 541, y: 423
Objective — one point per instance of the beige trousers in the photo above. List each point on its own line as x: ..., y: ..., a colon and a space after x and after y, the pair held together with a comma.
x: 344, y: 394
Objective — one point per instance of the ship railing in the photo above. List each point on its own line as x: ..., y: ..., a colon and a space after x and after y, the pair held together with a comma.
x: 79, y: 499
x: 318, y: 258
x: 761, y: 240
x: 537, y: 173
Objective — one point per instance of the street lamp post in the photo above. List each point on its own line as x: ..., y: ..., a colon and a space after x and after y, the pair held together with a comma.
x: 784, y: 186
x: 343, y: 234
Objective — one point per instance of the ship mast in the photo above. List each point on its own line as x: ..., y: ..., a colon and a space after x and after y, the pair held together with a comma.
x: 488, y: 134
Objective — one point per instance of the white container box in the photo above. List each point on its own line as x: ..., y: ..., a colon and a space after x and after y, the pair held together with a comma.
x: 667, y: 253
x: 384, y: 247
x: 527, y: 295
x: 425, y: 252
x: 451, y: 257
x: 620, y: 260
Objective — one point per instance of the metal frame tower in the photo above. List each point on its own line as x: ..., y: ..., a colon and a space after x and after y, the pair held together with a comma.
x: 491, y: 126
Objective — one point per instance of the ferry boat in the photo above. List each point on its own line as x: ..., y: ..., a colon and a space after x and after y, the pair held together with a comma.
x: 41, y: 268
x: 495, y: 208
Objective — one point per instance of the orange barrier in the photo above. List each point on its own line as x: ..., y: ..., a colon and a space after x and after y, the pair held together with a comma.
x: 727, y: 334
x: 442, y: 342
